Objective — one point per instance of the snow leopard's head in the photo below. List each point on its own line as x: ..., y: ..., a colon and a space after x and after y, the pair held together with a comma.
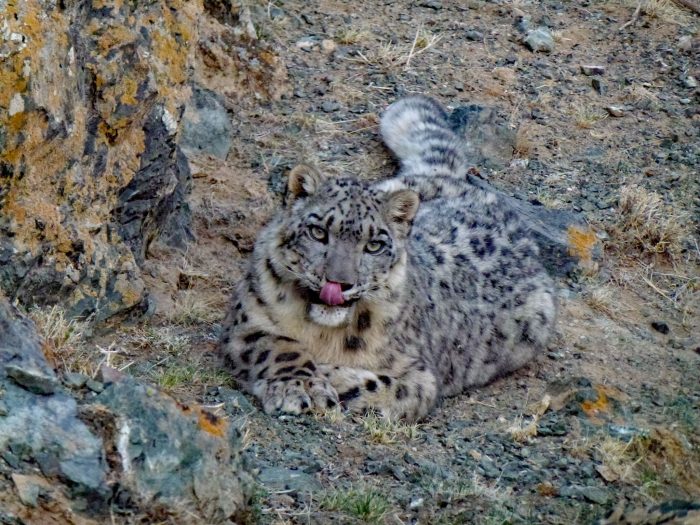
x: 341, y: 242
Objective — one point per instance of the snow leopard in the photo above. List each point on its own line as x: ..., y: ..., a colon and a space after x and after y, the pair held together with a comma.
x: 388, y: 296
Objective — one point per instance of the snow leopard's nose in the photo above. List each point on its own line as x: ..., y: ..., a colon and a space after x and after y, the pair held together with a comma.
x: 341, y: 269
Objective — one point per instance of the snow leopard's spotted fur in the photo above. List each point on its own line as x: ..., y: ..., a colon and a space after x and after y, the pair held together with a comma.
x: 454, y: 297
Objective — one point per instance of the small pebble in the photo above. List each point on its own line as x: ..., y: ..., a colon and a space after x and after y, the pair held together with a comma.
x: 307, y: 43
x: 431, y: 4
x: 589, y: 70
x: 75, y: 379
x: 329, y: 106
x: 328, y: 46
x: 615, y: 111
x: 598, y: 86
x: 95, y: 386
x: 661, y: 327
x: 690, y: 82
x: 276, y: 12
x: 522, y: 23
x: 539, y: 40
x: 416, y: 503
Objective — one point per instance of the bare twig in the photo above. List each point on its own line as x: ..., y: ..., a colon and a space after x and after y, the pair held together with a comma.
x: 635, y: 15
x: 413, y: 46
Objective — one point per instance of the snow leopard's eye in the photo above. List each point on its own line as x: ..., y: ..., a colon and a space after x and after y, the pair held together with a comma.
x: 374, y: 247
x: 317, y: 233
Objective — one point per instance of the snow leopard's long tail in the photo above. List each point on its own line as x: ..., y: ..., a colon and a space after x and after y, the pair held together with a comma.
x: 432, y: 156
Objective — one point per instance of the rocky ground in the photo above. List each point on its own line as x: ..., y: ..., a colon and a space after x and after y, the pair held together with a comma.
x: 592, y: 109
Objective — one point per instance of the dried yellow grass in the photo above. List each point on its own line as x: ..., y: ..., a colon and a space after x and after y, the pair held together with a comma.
x: 648, y: 225
x: 64, y: 339
x: 655, y: 461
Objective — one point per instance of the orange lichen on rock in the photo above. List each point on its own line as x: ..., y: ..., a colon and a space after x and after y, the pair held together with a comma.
x: 582, y: 241
x: 212, y: 424
x: 601, y: 405
x: 605, y: 405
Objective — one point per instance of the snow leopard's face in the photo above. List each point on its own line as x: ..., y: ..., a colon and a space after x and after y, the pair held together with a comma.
x: 343, y: 242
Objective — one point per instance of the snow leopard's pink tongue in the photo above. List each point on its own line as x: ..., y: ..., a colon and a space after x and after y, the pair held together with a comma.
x: 332, y: 294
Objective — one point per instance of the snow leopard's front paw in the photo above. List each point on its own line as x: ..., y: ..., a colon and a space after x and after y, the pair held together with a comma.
x: 296, y: 396
x: 356, y: 388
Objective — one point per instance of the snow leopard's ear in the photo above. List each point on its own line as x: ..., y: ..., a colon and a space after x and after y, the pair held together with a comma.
x: 400, y: 208
x: 303, y: 181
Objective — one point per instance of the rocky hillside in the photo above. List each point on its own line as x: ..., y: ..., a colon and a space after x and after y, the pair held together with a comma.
x: 142, y: 145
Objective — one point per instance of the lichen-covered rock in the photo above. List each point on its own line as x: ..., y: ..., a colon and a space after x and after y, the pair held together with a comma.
x: 91, y: 98
x: 40, y: 425
x: 131, y: 449
x: 172, y: 456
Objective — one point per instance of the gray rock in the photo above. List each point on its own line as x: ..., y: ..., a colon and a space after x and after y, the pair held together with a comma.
x: 539, y: 40
x: 592, y: 494
x: 431, y: 4
x: 690, y: 82
x: 33, y: 379
x: 27, y: 488
x: 206, y: 126
x: 522, y: 23
x: 308, y: 43
x: 160, y: 451
x: 276, y: 13
x: 236, y: 401
x: 490, y: 469
x: 599, y: 86
x: 95, y: 386
x: 474, y: 35
x: 489, y: 137
x: 153, y: 205
x: 74, y: 379
x: 330, y: 106
x: 42, y: 423
x: 615, y: 111
x: 185, y: 458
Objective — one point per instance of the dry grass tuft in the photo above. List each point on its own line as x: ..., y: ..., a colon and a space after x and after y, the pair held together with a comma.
x: 663, y: 10
x: 386, y: 432
x: 392, y: 56
x: 601, y: 299
x: 524, y: 142
x: 158, y: 339
x: 523, y: 432
x: 653, y: 462
x: 586, y: 116
x: 191, y: 308
x: 648, y: 225
x: 351, y: 35
x: 455, y: 492
x: 64, y: 339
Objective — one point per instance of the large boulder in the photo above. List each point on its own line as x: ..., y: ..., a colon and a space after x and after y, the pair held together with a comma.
x: 91, y: 173
x: 130, y: 449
